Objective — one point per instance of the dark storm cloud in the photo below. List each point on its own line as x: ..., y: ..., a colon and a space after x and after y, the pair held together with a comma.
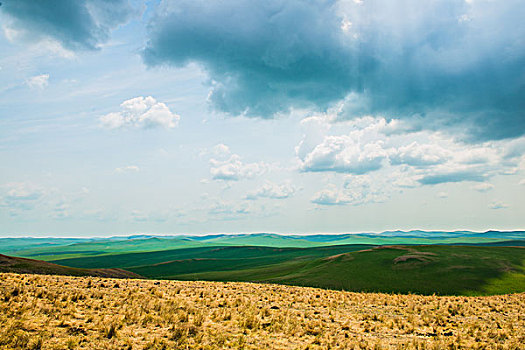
x: 76, y: 24
x: 263, y: 56
x: 449, y: 62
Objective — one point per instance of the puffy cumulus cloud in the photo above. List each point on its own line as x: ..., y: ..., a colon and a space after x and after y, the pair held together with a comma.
x: 274, y: 191
x: 448, y: 62
x: 38, y: 81
x: 141, y: 112
x: 356, y: 190
x: 233, y: 168
x: 355, y: 147
x: 75, y: 25
x: 344, y: 155
x: 415, y: 154
x: 330, y: 196
x: 221, y: 150
x: 365, y: 189
x: 367, y: 145
x: 230, y: 167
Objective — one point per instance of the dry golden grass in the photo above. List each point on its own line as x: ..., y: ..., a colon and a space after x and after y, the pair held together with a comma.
x: 58, y: 312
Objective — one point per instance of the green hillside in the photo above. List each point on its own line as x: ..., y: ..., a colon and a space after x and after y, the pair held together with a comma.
x: 223, y: 257
x: 418, y: 269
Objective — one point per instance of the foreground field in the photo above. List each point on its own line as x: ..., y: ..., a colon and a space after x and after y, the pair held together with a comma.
x: 58, y: 312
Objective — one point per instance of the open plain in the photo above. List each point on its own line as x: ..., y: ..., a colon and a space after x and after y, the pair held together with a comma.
x: 58, y: 312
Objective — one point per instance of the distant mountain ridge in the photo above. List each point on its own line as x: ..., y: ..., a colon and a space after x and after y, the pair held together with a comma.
x: 63, y: 248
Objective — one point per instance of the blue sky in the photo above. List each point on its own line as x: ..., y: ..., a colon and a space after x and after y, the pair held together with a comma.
x: 195, y: 117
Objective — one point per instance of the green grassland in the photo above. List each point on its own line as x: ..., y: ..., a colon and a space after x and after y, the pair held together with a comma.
x: 456, y: 263
x: 427, y: 269
x: 447, y: 270
x: 222, y: 258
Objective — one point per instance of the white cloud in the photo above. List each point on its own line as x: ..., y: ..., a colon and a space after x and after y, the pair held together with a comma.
x: 522, y: 182
x: 498, y: 205
x: 230, y: 167
x: 356, y: 190
x: 415, y: 154
x: 38, y: 81
x: 127, y: 169
x: 274, y: 191
x: 141, y: 112
x: 419, y: 157
x: 330, y: 196
x: 361, y: 189
x: 344, y: 154
x: 483, y: 187
x: 221, y: 150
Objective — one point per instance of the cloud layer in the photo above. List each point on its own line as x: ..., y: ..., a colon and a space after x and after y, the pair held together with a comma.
x: 449, y: 62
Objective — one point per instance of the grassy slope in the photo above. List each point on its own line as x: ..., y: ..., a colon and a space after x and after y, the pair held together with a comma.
x: 424, y: 269
x: 223, y: 258
x: 22, y: 265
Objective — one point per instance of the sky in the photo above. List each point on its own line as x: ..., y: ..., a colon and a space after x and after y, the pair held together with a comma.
x: 237, y: 116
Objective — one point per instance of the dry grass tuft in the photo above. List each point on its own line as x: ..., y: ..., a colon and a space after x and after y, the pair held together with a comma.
x: 52, y: 312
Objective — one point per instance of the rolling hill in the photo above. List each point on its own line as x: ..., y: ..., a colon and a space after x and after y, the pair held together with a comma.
x: 23, y: 266
x: 428, y: 269
x: 445, y: 270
